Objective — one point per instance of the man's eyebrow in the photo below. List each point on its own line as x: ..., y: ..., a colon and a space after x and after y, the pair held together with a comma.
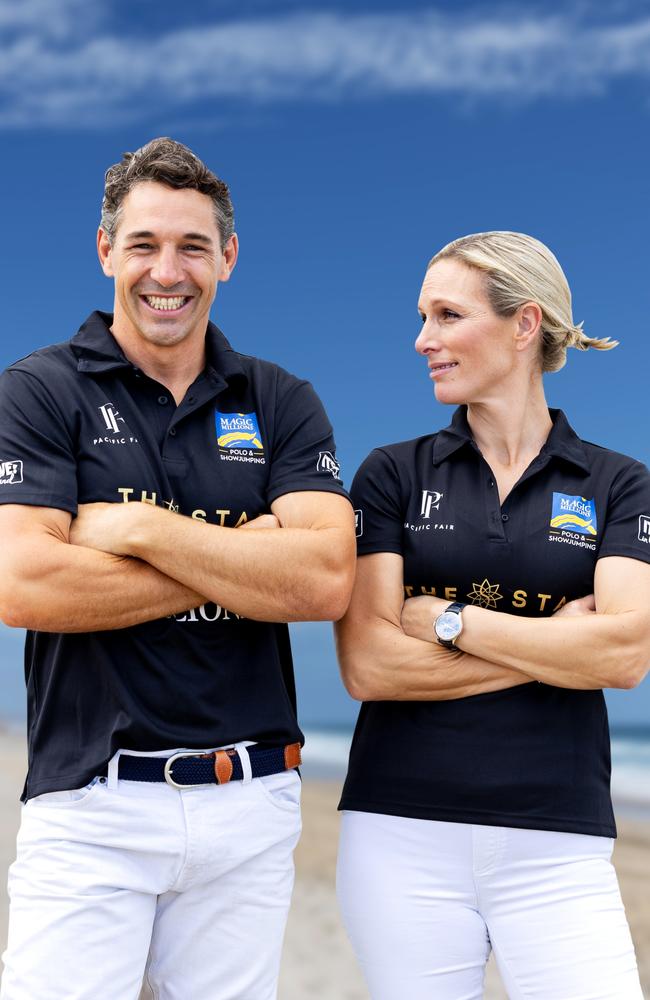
x: 146, y: 234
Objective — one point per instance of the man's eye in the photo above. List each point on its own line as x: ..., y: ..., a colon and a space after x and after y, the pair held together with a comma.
x: 190, y: 246
x: 141, y: 246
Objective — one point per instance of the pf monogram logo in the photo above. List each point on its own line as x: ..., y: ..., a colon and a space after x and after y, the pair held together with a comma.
x: 111, y: 416
x: 430, y: 501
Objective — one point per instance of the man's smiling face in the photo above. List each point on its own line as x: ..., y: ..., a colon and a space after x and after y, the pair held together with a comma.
x: 166, y: 260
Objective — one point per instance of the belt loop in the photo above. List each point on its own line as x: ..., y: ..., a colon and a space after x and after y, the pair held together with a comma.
x: 113, y: 766
x: 247, y: 772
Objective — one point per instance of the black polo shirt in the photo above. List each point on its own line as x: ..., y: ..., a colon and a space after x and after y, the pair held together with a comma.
x: 79, y: 423
x: 533, y: 756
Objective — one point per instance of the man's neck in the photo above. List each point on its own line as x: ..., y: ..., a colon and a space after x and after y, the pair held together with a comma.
x: 176, y: 367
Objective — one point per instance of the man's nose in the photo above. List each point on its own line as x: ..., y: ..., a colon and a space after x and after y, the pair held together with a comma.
x: 167, y: 269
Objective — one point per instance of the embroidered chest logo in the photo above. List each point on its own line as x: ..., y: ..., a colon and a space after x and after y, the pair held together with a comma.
x: 239, y: 438
x: 11, y: 472
x: 114, y: 427
x: 644, y: 528
x: 430, y: 501
x: 573, y: 521
x: 485, y: 594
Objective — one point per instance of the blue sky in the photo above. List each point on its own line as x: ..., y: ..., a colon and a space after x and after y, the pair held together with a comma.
x: 357, y: 139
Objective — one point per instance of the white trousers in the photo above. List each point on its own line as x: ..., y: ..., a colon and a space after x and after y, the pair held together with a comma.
x: 424, y: 902
x: 189, y: 889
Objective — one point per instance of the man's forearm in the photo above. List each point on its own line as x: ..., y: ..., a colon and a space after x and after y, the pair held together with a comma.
x: 69, y: 588
x: 286, y: 574
x: 392, y: 666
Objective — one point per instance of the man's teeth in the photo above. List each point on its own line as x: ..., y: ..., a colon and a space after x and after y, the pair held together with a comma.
x: 156, y: 302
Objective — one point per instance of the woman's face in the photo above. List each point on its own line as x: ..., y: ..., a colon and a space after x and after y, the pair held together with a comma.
x: 470, y: 351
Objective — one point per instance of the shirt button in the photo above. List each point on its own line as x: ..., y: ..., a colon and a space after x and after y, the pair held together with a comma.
x: 190, y: 399
x: 505, y: 517
x: 163, y: 400
x: 173, y: 432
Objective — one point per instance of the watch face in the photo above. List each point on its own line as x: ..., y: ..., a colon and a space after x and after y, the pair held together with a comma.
x: 448, y: 625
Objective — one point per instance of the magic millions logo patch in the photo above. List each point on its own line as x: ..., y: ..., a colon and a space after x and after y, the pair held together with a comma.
x: 573, y: 521
x: 239, y: 438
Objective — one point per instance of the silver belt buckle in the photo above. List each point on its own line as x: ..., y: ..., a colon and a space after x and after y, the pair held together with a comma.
x: 168, y: 770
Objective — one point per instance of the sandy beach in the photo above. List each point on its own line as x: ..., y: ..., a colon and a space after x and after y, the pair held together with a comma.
x: 318, y: 961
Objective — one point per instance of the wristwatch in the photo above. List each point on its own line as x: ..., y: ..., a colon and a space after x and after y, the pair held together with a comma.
x: 448, y: 626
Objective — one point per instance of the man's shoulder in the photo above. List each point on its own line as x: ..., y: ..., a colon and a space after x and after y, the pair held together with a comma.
x: 260, y: 370
x: 44, y: 362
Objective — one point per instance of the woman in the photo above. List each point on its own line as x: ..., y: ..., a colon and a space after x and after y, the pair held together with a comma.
x: 503, y: 581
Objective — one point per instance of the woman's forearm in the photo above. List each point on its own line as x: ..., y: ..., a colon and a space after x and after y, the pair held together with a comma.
x: 387, y: 665
x: 594, y: 651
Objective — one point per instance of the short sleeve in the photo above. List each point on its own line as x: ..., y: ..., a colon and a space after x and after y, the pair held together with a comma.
x: 376, y: 496
x: 37, y: 459
x: 627, y: 524
x: 304, y: 453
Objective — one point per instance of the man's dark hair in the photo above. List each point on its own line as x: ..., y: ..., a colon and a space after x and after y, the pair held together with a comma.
x: 167, y: 162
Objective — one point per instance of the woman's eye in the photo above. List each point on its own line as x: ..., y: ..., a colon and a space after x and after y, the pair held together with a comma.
x: 449, y: 314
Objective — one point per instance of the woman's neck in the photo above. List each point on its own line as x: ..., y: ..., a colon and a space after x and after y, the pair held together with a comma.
x: 511, y: 432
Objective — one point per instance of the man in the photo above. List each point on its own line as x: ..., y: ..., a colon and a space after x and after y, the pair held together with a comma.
x: 166, y: 502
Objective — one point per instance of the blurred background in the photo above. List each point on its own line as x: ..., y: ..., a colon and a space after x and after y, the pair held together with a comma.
x: 357, y: 139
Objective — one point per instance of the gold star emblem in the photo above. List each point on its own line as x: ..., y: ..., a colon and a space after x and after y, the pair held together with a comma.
x: 485, y: 594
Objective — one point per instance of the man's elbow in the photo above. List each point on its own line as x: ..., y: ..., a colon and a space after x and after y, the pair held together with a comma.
x: 331, y: 595
x: 631, y: 667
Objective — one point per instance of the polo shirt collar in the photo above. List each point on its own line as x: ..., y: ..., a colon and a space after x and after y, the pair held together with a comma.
x: 562, y: 442
x: 98, y: 351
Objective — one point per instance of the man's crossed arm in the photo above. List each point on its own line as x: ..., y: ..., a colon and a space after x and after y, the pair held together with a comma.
x: 117, y: 565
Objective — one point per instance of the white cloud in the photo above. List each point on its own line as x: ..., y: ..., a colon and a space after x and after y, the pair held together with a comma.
x: 53, y: 74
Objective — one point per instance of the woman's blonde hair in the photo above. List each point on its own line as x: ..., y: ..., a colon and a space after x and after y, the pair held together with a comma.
x: 520, y: 269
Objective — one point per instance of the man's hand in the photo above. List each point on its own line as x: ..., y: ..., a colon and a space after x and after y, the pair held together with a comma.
x: 263, y: 521
x: 105, y: 526
x: 581, y: 606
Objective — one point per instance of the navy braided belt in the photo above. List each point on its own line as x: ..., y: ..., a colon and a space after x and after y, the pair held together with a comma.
x: 185, y: 769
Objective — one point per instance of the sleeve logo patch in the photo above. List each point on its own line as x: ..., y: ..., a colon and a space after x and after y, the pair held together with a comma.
x: 575, y: 514
x: 11, y: 473
x: 358, y: 523
x: 644, y: 528
x: 327, y: 463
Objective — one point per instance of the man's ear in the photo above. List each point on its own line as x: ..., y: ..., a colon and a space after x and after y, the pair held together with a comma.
x: 229, y: 256
x: 105, y: 253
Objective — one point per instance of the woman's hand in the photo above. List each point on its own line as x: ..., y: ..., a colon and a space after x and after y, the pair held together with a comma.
x: 419, y: 614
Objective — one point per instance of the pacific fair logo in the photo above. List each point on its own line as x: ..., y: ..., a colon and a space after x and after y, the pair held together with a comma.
x: 430, y: 501
x: 111, y: 417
